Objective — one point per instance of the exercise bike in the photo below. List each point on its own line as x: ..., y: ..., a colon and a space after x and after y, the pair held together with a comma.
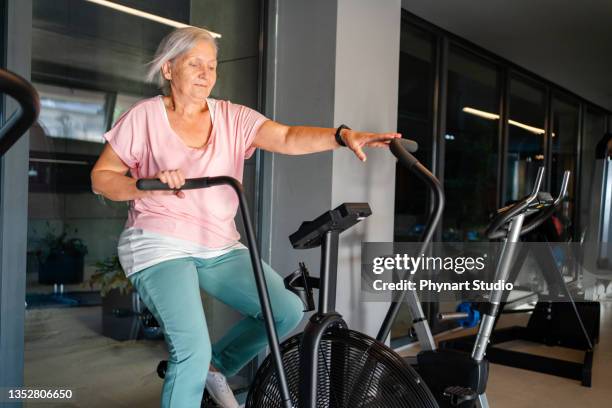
x: 328, y: 365
x: 556, y: 319
x: 459, y: 379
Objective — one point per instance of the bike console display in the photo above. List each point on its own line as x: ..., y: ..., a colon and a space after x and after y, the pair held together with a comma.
x: 310, y: 233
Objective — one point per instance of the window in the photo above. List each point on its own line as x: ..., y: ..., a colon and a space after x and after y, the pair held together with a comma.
x: 593, y: 132
x: 470, y: 146
x: 72, y: 113
x: 478, y: 173
x: 564, y: 154
x: 122, y: 104
x: 414, y: 122
x: 526, y: 137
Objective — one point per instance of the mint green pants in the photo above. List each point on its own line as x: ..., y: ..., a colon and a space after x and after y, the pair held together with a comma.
x: 170, y: 290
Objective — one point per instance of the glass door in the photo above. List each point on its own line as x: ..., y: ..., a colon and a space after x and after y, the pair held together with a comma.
x: 88, y: 64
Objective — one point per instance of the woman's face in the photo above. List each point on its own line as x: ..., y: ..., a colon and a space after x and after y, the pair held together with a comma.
x: 193, y: 73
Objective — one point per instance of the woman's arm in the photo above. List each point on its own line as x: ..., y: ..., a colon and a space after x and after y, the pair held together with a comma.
x: 108, y: 177
x: 295, y: 140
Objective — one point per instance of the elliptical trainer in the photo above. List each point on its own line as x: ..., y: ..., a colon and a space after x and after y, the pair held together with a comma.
x: 458, y: 379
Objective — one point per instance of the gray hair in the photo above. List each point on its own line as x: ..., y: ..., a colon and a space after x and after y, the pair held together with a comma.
x: 174, y: 45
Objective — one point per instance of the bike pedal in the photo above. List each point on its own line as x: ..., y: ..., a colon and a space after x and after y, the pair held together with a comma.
x: 458, y: 395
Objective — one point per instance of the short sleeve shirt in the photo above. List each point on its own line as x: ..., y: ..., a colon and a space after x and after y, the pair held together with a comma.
x: 147, y: 144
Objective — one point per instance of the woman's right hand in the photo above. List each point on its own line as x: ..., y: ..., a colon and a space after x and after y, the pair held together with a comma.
x: 174, y: 179
x: 108, y: 177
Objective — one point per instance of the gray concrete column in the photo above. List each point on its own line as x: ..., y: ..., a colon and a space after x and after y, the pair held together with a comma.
x: 332, y: 62
x: 366, y: 89
x: 300, y: 90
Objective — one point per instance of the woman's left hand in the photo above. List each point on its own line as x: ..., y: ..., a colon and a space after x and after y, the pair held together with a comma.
x: 357, y: 140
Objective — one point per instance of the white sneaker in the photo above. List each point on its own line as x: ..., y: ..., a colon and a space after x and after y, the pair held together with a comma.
x: 219, y: 390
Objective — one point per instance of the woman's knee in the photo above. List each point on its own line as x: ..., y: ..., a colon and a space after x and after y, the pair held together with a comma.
x: 290, y: 314
x: 203, y: 351
x: 195, y: 351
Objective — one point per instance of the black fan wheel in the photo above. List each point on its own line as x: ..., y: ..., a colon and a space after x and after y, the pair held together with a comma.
x: 354, y: 371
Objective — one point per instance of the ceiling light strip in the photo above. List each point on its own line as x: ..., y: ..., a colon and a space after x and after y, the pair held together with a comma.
x: 494, y: 116
x: 143, y: 14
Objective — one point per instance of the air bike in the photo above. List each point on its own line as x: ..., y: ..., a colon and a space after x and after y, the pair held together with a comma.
x: 328, y: 365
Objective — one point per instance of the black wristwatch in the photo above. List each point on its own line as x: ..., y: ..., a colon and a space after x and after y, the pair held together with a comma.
x: 338, y: 138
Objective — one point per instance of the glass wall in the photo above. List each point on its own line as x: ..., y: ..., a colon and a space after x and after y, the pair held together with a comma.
x: 594, y: 129
x: 478, y: 172
x: 88, y: 64
x: 564, y: 155
x: 526, y: 137
x: 415, y: 122
x: 470, y: 146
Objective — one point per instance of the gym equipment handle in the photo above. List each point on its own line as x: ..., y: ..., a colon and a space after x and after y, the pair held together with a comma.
x: 542, y: 199
x: 452, y: 316
x: 190, y: 184
x: 25, y: 115
x: 543, y: 215
x: 466, y: 314
x: 504, y: 215
x: 402, y: 149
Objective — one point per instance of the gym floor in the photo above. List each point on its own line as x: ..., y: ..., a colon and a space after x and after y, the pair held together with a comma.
x: 510, y: 387
x: 63, y: 349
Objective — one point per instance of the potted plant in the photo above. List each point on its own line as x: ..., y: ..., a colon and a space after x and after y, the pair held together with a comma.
x: 109, y: 276
x: 61, y: 259
x: 123, y: 315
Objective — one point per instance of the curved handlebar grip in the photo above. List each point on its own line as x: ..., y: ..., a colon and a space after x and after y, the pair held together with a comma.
x: 564, y: 185
x: 410, y: 145
x: 495, y: 231
x: 157, y: 184
x: 402, y: 149
x: 29, y: 107
x: 538, y: 183
x: 543, y: 215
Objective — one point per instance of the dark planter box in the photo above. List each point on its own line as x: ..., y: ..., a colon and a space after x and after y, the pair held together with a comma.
x: 61, y: 268
x: 119, y: 319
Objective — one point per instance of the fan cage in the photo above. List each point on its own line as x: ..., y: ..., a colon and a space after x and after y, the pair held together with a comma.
x: 354, y: 371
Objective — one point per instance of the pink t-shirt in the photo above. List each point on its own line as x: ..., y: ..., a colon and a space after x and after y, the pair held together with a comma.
x: 145, y: 141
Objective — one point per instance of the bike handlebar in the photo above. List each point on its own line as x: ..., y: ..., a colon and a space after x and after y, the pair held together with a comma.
x: 543, y: 215
x: 29, y: 107
x: 542, y: 200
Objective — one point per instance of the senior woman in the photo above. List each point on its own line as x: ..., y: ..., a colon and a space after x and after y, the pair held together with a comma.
x: 176, y: 242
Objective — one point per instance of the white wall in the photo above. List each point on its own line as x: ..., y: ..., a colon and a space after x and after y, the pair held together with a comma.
x: 366, y: 88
